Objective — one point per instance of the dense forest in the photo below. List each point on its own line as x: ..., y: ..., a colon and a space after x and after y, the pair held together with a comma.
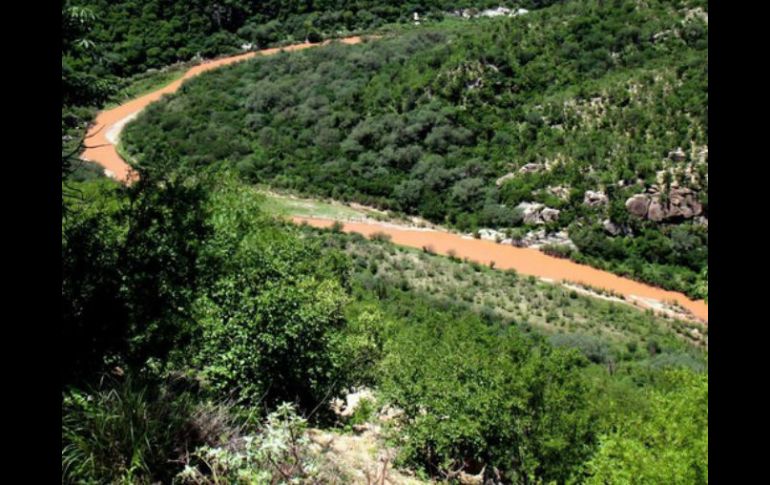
x: 138, y: 35
x: 204, y: 337
x: 513, y: 124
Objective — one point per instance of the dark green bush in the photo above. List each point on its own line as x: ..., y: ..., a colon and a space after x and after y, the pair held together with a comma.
x: 475, y: 397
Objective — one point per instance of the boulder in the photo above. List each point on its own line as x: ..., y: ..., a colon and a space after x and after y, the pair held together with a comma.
x: 500, y: 181
x: 559, y: 191
x: 536, y: 213
x: 655, y: 210
x: 638, y: 204
x: 681, y: 203
x: 531, y: 212
x: 549, y: 215
x: 610, y: 227
x: 531, y: 168
x: 677, y: 155
x: 539, y: 238
x: 491, y: 235
x: 595, y: 199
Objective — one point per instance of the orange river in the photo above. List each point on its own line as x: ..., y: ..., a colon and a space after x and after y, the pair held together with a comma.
x: 101, y: 149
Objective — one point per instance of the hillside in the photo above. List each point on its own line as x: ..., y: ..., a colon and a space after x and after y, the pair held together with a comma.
x: 569, y: 118
x: 208, y: 337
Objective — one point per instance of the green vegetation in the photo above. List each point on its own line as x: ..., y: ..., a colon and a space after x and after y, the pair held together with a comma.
x: 203, y: 336
x: 550, y: 310
x: 286, y: 205
x: 666, y: 444
x: 147, y: 82
x: 256, y: 312
x: 585, y: 94
x: 138, y: 35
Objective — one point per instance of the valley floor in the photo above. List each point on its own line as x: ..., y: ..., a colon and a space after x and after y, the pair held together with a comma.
x: 104, y: 136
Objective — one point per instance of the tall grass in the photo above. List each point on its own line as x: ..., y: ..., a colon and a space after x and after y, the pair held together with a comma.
x: 134, y: 432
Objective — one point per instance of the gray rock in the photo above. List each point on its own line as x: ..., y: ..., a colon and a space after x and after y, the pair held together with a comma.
x: 500, y: 181
x: 595, y: 199
x: 531, y: 168
x: 550, y: 215
x: 610, y: 227
x: 559, y: 191
x: 677, y: 155
x: 655, y: 211
x: 681, y: 203
x: 638, y: 205
x: 536, y: 213
x: 491, y: 235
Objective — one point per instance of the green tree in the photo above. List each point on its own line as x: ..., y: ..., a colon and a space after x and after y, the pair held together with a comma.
x: 668, y: 444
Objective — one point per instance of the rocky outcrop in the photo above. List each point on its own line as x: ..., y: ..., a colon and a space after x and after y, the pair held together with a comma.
x: 559, y: 191
x: 680, y: 203
x: 536, y: 213
x: 595, y: 199
x: 550, y: 215
x: 500, y: 181
x: 490, y: 235
x: 532, y: 168
x: 638, y: 205
x: 614, y: 229
x: 527, y: 168
x: 539, y: 238
x: 677, y: 155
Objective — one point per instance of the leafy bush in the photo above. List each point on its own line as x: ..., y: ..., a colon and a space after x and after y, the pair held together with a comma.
x: 476, y: 397
x: 593, y: 348
x: 557, y: 250
x: 668, y: 444
x: 279, y: 453
x: 270, y: 317
x: 129, y: 271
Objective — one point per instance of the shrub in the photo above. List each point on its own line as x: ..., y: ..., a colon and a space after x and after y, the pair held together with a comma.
x: 269, y: 321
x: 279, y: 453
x: 666, y: 444
x: 380, y: 237
x: 593, y: 348
x: 133, y: 432
x: 558, y: 250
x: 337, y: 227
x: 485, y: 397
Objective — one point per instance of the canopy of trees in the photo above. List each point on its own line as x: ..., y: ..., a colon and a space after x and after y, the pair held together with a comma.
x: 426, y: 123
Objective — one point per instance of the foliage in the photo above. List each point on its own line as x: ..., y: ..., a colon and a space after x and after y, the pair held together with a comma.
x: 129, y: 271
x: 271, y: 308
x: 279, y: 453
x: 667, y: 444
x: 551, y: 310
x: 427, y: 121
x: 133, y: 432
x: 477, y: 396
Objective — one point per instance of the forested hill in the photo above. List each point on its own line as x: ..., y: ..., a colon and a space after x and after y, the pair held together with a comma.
x: 136, y: 35
x: 587, y: 116
x: 109, y: 44
x: 203, y: 337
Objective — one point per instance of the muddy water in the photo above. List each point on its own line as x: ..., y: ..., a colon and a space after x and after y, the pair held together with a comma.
x: 102, y: 151
x: 523, y: 260
x: 526, y: 261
